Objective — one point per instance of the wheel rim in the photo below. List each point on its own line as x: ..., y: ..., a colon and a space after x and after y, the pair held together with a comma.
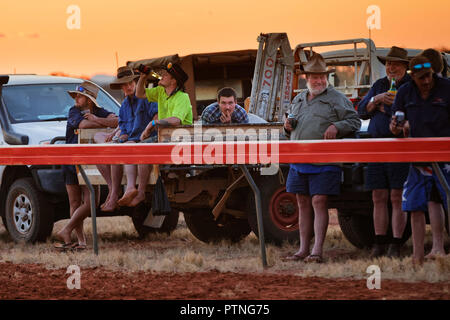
x: 22, y: 214
x: 284, y: 210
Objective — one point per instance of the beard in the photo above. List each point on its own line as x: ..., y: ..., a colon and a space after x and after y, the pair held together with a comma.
x: 316, y: 91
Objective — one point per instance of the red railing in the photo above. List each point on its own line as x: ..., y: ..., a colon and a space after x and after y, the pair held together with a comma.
x: 347, y: 150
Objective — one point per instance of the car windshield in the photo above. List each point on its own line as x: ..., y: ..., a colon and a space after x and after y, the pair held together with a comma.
x: 46, y: 102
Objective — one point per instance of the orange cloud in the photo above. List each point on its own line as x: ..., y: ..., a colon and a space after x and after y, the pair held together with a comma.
x: 33, y: 35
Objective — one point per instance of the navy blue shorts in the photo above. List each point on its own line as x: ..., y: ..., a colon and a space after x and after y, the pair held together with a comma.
x: 423, y: 186
x: 325, y: 183
x: 390, y: 175
x: 70, y: 174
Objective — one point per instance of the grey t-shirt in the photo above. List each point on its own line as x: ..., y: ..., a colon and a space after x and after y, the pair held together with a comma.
x: 315, y: 116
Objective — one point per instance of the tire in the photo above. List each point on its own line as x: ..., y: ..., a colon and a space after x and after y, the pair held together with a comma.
x: 140, y: 213
x: 29, y: 217
x: 202, y: 225
x: 279, y: 211
x: 358, y: 229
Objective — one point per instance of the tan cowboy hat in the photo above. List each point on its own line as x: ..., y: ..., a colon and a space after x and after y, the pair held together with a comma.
x: 395, y: 54
x: 87, y: 89
x: 124, y: 75
x: 316, y: 64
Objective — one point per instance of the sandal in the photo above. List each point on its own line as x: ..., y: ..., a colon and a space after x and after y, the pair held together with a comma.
x: 79, y: 247
x: 294, y: 257
x: 64, y: 246
x: 313, y: 258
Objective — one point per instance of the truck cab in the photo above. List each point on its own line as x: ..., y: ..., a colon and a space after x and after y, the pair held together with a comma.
x: 33, y: 111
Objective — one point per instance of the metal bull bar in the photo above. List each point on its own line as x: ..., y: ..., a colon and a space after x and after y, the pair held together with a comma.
x: 349, y: 150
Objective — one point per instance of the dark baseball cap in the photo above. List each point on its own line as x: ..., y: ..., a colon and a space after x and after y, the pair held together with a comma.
x: 177, y: 72
x: 420, y: 65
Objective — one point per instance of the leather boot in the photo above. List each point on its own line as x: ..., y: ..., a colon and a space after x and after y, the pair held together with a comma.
x: 394, y: 250
x: 378, y: 250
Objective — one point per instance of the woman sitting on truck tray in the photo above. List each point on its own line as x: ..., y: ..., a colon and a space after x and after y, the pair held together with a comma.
x: 85, y: 114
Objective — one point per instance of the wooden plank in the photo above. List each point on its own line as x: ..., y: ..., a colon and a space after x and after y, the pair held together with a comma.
x: 219, y: 132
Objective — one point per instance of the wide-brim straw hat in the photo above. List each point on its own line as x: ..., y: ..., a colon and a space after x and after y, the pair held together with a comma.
x: 124, y: 75
x: 316, y: 64
x: 395, y: 54
x: 87, y: 89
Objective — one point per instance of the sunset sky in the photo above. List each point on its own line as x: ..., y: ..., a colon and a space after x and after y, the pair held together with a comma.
x: 34, y: 37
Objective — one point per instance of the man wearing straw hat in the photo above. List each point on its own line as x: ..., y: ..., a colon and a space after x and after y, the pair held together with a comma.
x: 321, y: 112
x: 85, y: 114
x: 134, y: 115
x: 385, y: 180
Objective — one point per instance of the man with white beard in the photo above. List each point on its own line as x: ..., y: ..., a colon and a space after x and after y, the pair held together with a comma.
x: 321, y: 112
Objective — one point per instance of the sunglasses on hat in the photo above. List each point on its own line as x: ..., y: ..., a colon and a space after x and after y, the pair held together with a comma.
x: 80, y: 88
x: 422, y: 65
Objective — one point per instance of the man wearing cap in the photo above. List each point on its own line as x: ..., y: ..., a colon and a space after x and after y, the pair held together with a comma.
x: 321, y: 113
x: 436, y: 59
x: 385, y: 180
x: 174, y: 108
x: 134, y: 115
x: 425, y: 101
x: 85, y: 114
x: 225, y: 110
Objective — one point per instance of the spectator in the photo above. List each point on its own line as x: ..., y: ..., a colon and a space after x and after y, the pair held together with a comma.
x: 321, y: 112
x: 174, y: 108
x: 134, y: 115
x: 225, y: 110
x: 385, y: 180
x: 425, y: 102
x: 85, y: 114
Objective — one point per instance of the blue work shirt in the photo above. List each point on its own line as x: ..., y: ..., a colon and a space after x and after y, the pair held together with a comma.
x: 430, y: 117
x: 379, y: 121
x: 134, y: 115
x: 74, y: 119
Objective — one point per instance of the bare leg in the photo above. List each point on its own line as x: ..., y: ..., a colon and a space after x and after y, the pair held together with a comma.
x: 399, y: 218
x: 380, y: 211
x: 76, y: 220
x: 130, y: 191
x: 144, y: 173
x: 74, y: 194
x: 320, y: 205
x: 105, y: 171
x: 116, y: 178
x: 437, y: 219
x: 305, y: 224
x: 418, y: 235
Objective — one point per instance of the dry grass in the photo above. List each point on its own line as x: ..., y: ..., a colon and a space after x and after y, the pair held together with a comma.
x: 120, y: 249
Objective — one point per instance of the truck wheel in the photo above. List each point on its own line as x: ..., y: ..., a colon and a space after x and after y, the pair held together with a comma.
x: 29, y: 217
x: 358, y: 229
x: 141, y: 212
x: 279, y: 211
x: 202, y: 225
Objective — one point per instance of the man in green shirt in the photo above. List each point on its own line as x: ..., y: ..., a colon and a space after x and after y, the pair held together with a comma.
x: 174, y: 108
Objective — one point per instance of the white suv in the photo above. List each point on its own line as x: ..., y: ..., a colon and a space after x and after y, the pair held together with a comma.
x: 33, y: 111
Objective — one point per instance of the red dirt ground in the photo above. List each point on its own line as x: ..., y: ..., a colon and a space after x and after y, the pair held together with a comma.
x: 35, y: 282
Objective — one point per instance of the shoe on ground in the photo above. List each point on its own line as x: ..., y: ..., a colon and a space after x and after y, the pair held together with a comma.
x: 394, y: 250
x: 378, y: 250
